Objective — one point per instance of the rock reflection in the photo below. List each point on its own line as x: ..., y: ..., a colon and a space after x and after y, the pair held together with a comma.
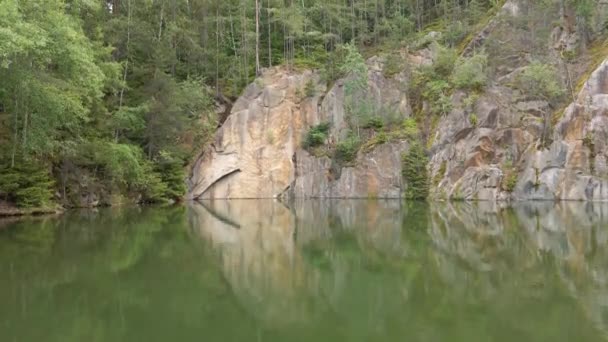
x: 379, y: 264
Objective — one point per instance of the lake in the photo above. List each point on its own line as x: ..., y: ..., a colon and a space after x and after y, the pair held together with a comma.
x: 318, y: 270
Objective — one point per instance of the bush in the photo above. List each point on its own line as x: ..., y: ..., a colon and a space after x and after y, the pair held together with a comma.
x: 444, y: 63
x: 332, y: 68
x: 511, y: 181
x: 540, y: 81
x: 310, y: 89
x: 393, y: 65
x: 171, y: 171
x: 374, y: 122
x: 381, y: 138
x: 473, y: 119
x: 127, y: 170
x: 346, y: 150
x: 470, y: 73
x: 414, y: 172
x: 432, y: 83
x: 410, y: 128
x: 454, y: 33
x: 27, y: 184
x: 317, y: 135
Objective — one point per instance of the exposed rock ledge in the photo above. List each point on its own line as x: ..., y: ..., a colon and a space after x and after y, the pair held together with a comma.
x: 256, y: 153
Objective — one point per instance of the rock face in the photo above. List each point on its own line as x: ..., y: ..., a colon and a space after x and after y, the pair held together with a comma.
x: 375, y: 174
x: 256, y: 153
x: 497, y: 144
x: 515, y: 148
x: 574, y: 165
x: 251, y: 156
x: 472, y: 162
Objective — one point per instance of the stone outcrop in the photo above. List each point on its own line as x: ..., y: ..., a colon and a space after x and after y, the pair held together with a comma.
x: 376, y: 174
x: 257, y: 151
x: 514, y: 148
x: 573, y: 167
x: 472, y: 162
x: 498, y: 144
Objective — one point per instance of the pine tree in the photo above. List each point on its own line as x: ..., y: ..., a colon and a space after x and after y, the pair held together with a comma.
x: 415, y: 174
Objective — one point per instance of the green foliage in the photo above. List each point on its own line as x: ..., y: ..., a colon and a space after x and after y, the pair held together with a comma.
x: 511, y: 181
x: 122, y: 95
x: 332, y: 68
x: 454, y: 33
x: 540, y: 81
x: 444, y: 63
x: 373, y: 122
x: 316, y: 135
x: 470, y: 73
x: 346, y: 150
x: 310, y: 89
x: 354, y: 67
x: 414, y: 172
x: 473, y: 119
x: 26, y: 184
x: 393, y: 65
x: 410, y: 128
x: 432, y: 83
x: 470, y: 101
x: 172, y: 174
x: 382, y: 138
x: 440, y: 173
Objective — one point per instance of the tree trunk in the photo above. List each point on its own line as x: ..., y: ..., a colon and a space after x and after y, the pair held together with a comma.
x: 257, y: 37
x: 217, y: 49
x: 269, y: 36
x: 124, y: 76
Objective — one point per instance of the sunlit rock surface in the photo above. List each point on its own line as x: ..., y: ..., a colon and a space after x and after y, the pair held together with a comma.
x: 257, y: 151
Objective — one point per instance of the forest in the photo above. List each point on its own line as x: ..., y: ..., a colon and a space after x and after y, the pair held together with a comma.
x: 115, y: 96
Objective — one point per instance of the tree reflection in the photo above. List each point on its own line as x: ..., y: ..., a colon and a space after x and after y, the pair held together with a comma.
x: 347, y: 270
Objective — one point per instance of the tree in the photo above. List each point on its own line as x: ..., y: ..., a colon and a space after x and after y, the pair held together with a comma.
x: 257, y: 37
x: 415, y: 174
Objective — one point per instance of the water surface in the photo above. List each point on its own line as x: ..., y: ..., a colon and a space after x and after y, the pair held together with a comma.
x: 340, y: 270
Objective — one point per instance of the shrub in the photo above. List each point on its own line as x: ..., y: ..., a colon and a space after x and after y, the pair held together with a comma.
x: 540, y: 81
x: 374, y: 122
x: 393, y: 65
x: 454, y: 33
x: 414, y: 172
x: 316, y: 135
x: 440, y: 173
x: 310, y: 89
x: 511, y: 181
x: 332, y: 68
x: 473, y: 119
x: 381, y: 138
x: 444, y: 63
x: 410, y: 128
x: 470, y: 101
x: 346, y: 150
x: 470, y: 73
x: 437, y: 93
x: 172, y: 174
x: 27, y: 184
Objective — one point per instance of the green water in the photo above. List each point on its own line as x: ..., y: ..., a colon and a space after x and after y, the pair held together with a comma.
x: 310, y: 271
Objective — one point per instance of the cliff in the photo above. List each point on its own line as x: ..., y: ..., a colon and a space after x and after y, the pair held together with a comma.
x: 257, y: 153
x: 497, y: 142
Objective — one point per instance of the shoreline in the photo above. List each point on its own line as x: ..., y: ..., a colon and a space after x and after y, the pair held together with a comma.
x: 7, y: 212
